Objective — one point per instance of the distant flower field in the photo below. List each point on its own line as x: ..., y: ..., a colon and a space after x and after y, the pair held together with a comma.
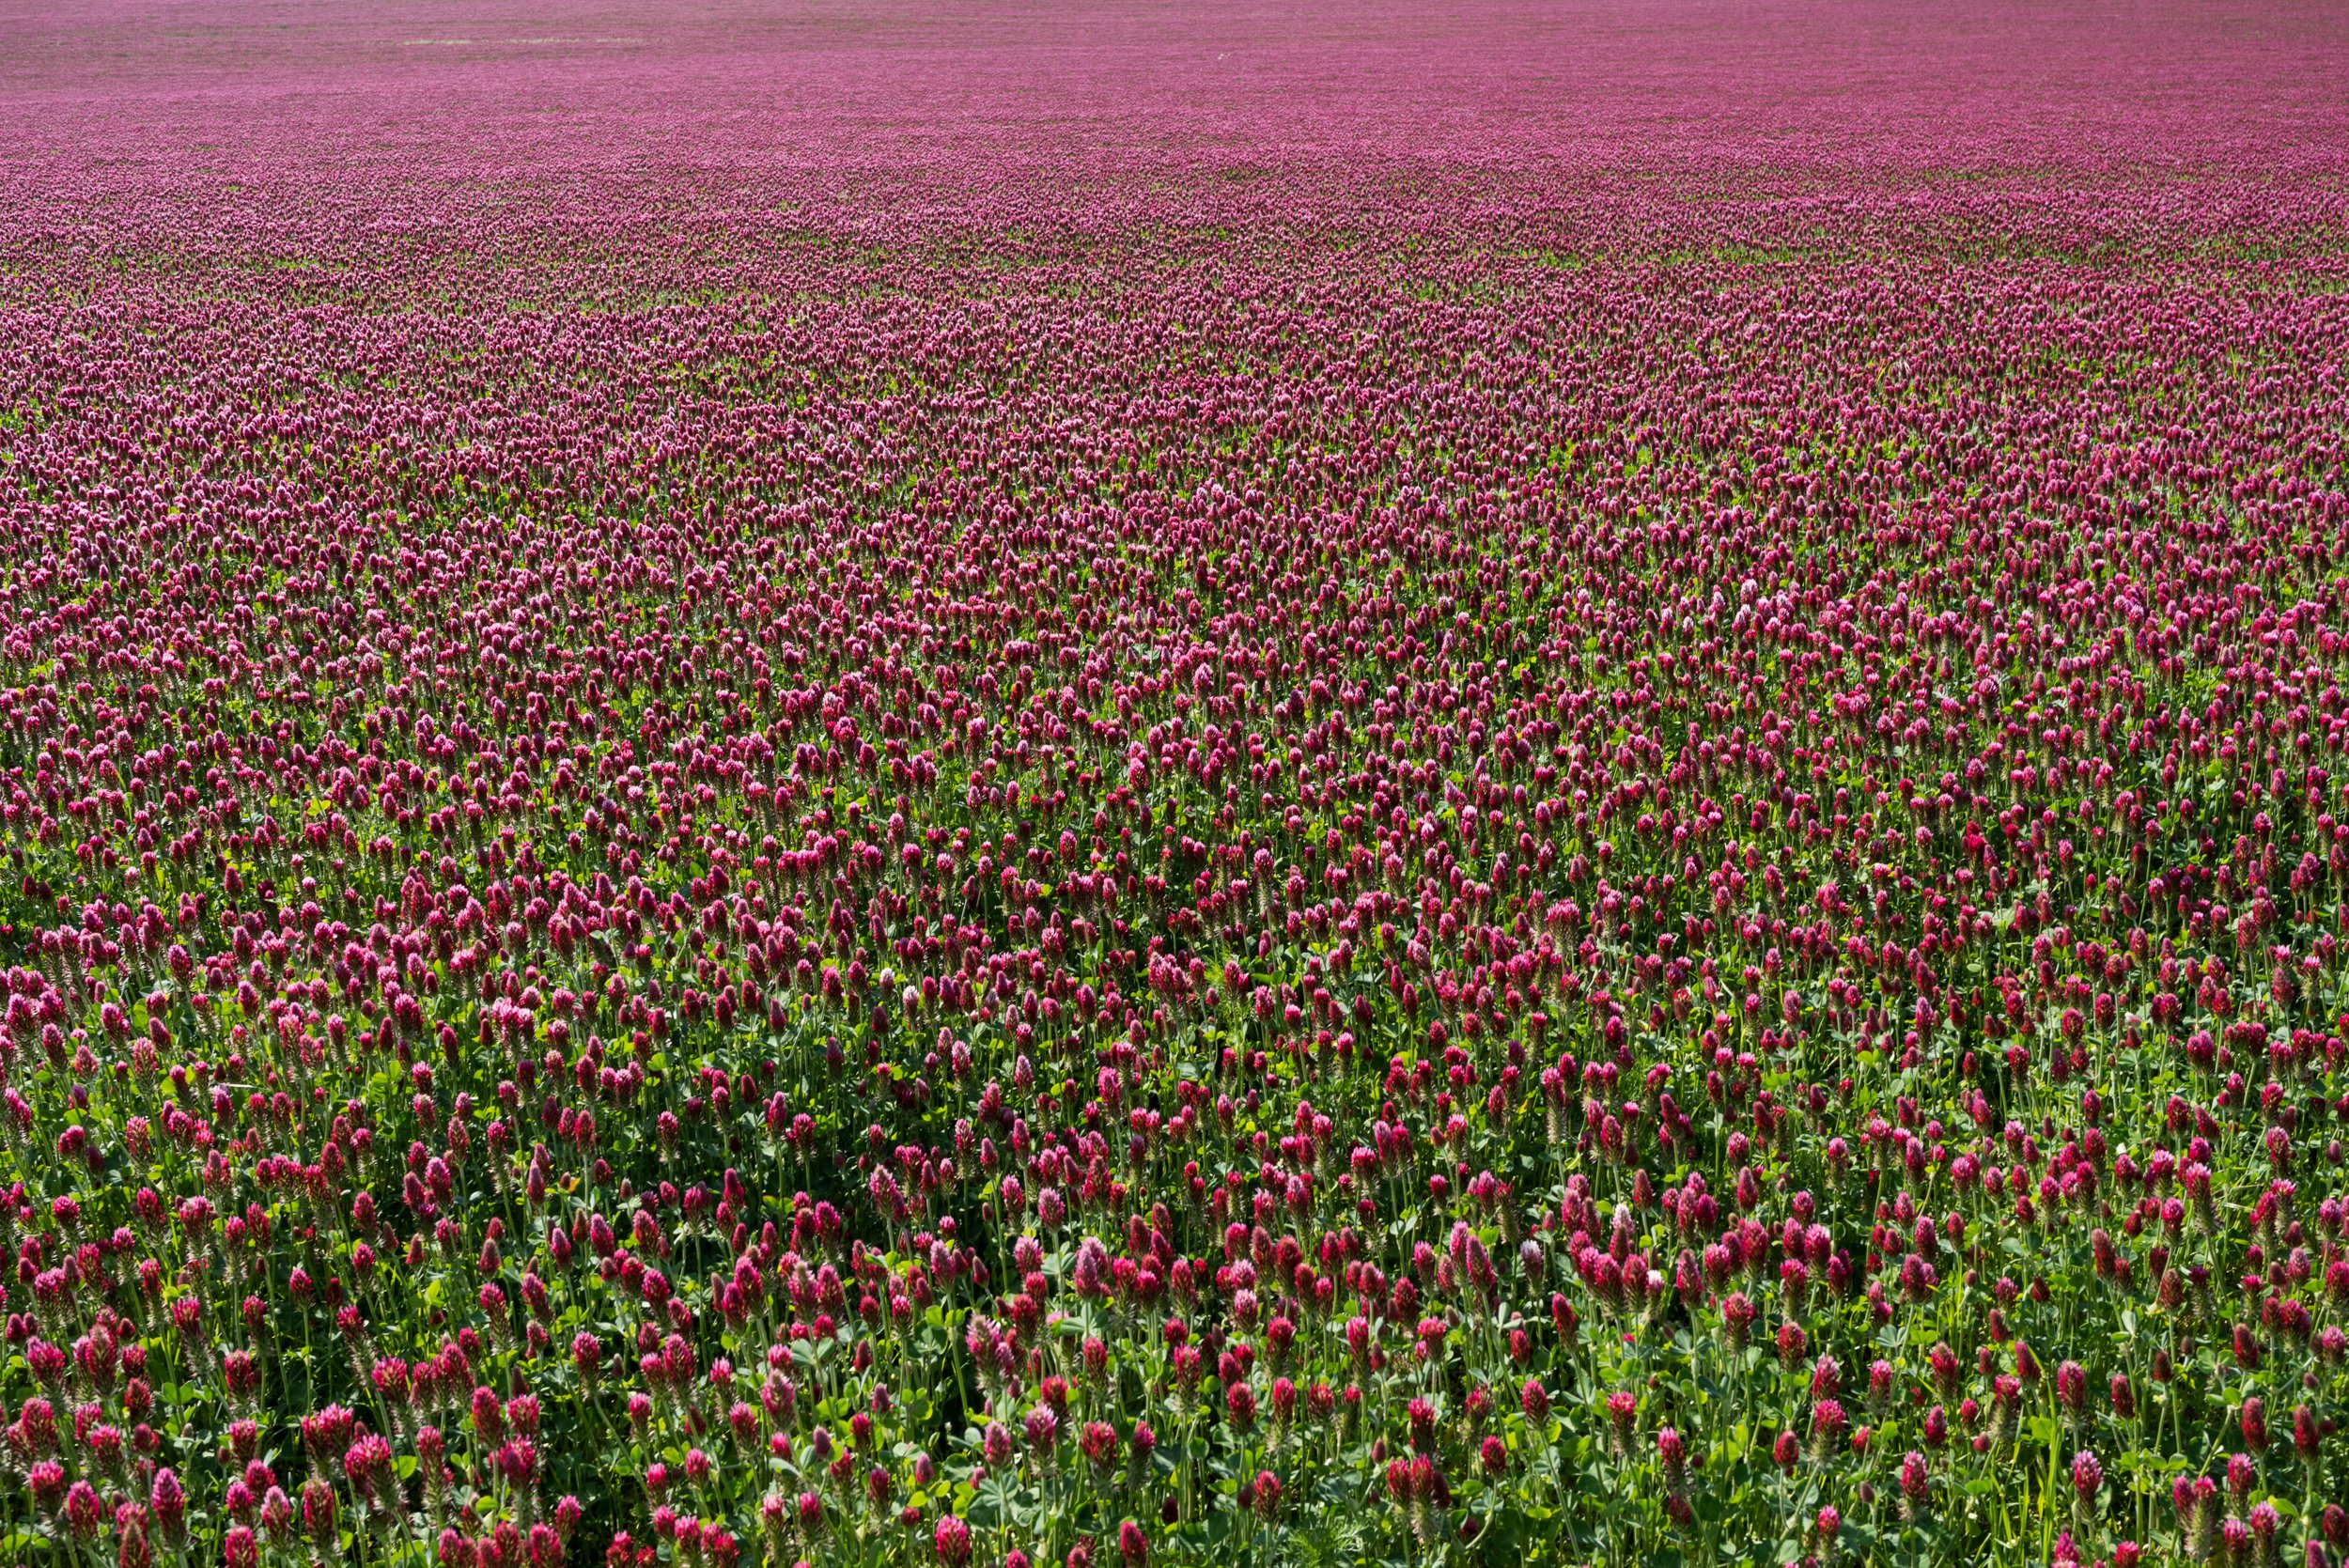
x: 911, y: 787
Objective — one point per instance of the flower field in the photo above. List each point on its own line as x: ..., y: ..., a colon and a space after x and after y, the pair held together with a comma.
x: 991, y: 787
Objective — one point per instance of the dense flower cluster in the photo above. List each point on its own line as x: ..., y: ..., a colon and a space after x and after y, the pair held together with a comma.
x: 1419, y: 868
